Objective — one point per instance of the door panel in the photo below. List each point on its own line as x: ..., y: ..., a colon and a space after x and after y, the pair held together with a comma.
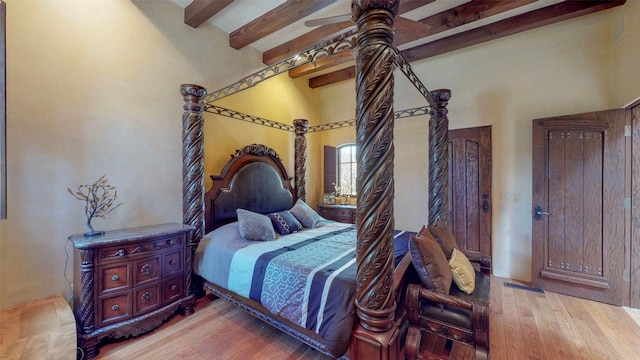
x: 578, y: 182
x: 470, y: 191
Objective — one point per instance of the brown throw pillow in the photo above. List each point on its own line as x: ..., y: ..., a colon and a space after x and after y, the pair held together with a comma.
x: 425, y: 232
x: 430, y: 263
x: 444, y: 237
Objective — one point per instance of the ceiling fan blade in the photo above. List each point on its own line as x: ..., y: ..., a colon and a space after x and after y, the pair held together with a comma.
x: 327, y: 20
x: 408, y: 30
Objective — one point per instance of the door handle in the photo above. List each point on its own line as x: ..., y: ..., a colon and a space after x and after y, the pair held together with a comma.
x: 485, y: 203
x: 538, y: 212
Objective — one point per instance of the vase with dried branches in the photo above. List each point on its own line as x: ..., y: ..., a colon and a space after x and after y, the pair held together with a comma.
x: 99, y: 199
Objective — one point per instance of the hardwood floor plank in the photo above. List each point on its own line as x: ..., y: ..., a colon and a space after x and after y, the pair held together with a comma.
x: 496, y: 334
x: 513, y: 336
x: 528, y: 327
x: 550, y: 332
x: 495, y: 298
x: 614, y: 328
x: 524, y: 325
x: 577, y: 347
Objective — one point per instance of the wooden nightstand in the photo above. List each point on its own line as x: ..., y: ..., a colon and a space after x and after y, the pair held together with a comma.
x: 127, y: 282
x: 340, y: 213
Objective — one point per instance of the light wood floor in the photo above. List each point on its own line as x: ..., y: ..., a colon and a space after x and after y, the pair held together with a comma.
x: 524, y: 325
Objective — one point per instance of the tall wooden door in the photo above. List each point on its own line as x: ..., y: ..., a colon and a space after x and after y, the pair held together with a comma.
x: 578, y: 205
x: 470, y: 191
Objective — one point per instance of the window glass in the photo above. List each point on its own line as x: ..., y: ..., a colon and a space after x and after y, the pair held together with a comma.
x: 347, y: 169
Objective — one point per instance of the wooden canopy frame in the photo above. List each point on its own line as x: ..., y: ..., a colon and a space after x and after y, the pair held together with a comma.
x: 380, y: 329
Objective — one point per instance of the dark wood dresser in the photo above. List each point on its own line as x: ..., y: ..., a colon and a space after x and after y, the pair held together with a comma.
x: 340, y: 213
x: 127, y: 282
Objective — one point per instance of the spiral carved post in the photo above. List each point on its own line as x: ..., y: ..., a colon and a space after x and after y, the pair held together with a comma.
x: 301, y: 126
x: 439, y: 158
x: 85, y: 313
x: 193, y: 175
x: 375, y: 305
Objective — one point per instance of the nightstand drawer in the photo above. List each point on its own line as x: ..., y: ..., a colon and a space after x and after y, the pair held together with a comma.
x: 342, y: 214
x: 173, y: 262
x: 146, y: 299
x: 114, y: 309
x: 140, y: 249
x: 173, y: 289
x: 113, y: 278
x: 146, y: 270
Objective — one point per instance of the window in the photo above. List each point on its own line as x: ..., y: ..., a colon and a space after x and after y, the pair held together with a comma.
x: 347, y: 169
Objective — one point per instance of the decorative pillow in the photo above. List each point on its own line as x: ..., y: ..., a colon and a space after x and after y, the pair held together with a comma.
x: 430, y: 263
x: 425, y: 232
x: 254, y: 226
x: 306, y: 215
x: 284, y: 222
x: 444, y: 237
x: 463, y: 273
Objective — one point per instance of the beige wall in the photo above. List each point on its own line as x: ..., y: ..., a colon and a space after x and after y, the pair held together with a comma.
x: 625, y: 34
x: 566, y: 68
x: 280, y: 99
x: 93, y: 89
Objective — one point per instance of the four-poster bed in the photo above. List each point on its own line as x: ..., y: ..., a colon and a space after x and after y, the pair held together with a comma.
x: 381, y: 324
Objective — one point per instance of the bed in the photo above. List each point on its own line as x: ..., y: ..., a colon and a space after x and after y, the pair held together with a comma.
x: 380, y: 325
x: 304, y: 281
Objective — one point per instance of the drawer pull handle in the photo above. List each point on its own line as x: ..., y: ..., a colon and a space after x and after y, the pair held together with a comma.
x: 174, y: 288
x: 115, y: 278
x: 146, y: 297
x: 172, y: 262
x: 146, y: 269
x: 115, y: 307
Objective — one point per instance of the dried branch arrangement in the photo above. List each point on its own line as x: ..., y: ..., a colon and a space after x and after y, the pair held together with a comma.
x: 99, y: 199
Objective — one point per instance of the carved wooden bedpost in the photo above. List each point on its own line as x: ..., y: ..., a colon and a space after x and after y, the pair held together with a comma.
x: 301, y: 126
x: 193, y: 174
x: 375, y: 305
x: 439, y: 158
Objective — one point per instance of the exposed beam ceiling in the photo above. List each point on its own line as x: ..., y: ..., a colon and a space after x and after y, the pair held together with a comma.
x: 276, y: 19
x: 200, y: 11
x: 424, y: 28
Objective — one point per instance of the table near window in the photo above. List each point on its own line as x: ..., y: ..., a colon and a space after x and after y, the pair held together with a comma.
x: 340, y: 213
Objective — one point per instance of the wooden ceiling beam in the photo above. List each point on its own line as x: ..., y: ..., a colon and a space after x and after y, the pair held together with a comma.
x: 408, y: 5
x: 523, y: 22
x: 322, y: 63
x: 305, y: 42
x: 332, y: 77
x: 316, y: 36
x: 406, y: 31
x: 527, y: 21
x: 470, y: 12
x: 199, y: 11
x: 274, y: 20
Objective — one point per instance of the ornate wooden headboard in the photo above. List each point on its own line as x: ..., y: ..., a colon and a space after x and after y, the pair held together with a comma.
x: 254, y: 179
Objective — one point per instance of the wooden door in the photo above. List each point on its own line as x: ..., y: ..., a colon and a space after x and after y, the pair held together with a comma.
x: 470, y: 191
x: 578, y: 205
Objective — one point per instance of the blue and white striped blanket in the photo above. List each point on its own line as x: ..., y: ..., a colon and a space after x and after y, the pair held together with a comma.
x: 307, y: 277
